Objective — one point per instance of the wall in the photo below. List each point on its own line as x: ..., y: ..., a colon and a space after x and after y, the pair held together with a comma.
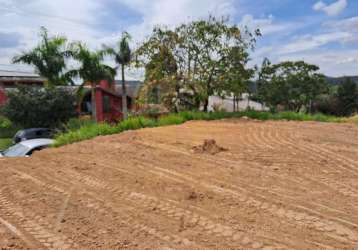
x: 3, y: 97
x: 227, y: 104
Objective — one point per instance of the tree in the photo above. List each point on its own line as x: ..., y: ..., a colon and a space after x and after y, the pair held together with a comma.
x: 49, y: 58
x: 91, y: 69
x: 162, y: 83
x: 123, y: 56
x: 200, y: 51
x: 293, y: 85
x: 347, y: 96
x: 31, y: 107
x: 237, y: 75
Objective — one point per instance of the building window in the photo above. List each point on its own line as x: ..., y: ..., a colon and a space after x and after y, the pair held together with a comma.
x: 106, y: 104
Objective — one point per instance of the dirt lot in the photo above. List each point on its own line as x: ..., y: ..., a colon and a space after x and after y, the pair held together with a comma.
x: 263, y: 185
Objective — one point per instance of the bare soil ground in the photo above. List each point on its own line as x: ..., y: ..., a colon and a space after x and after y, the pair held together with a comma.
x: 234, y: 184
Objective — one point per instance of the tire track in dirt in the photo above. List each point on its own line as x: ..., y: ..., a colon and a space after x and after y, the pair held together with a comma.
x: 35, y: 225
x: 259, y: 189
x: 278, y: 140
x: 208, y: 226
x: 313, y: 220
x: 296, y: 143
x: 103, y: 207
x: 338, y: 186
x: 16, y: 232
x: 217, y: 160
x: 306, y: 218
x: 250, y: 201
x: 179, y: 214
x: 328, y: 182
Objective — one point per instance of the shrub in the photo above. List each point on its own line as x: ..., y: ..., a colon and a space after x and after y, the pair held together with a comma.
x: 173, y: 119
x: 5, y: 143
x: 7, y: 128
x: 88, y: 131
x: 35, y: 107
x: 347, y: 95
x: 5, y: 123
x: 76, y: 123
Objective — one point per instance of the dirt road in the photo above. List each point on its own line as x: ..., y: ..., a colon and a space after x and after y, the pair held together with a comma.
x: 265, y: 185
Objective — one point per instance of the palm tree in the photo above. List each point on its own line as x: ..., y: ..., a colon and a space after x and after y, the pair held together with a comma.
x: 91, y: 69
x: 123, y: 56
x: 49, y: 58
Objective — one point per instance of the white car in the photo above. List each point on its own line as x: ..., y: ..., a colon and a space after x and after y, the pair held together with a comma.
x: 26, y: 148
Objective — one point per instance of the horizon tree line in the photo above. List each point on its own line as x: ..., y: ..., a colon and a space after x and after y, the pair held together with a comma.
x: 187, y: 64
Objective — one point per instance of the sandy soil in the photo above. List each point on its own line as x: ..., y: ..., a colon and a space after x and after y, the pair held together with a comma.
x: 263, y: 185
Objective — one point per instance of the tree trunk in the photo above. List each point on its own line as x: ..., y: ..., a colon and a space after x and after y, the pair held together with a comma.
x: 93, y: 102
x: 206, y: 104
x: 234, y: 102
x: 124, y: 96
x: 237, y: 100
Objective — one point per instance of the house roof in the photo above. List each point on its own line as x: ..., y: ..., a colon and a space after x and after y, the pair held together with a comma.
x: 133, y: 88
x: 19, y: 76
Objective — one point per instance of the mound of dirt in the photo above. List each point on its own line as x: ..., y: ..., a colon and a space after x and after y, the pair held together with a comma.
x: 209, y: 147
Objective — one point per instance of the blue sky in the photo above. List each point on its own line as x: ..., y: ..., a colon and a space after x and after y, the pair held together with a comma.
x: 321, y: 32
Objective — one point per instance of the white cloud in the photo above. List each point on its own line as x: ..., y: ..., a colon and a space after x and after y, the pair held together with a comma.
x: 319, y: 5
x: 171, y: 13
x: 331, y: 62
x: 79, y: 20
x: 267, y: 25
x: 310, y: 42
x: 333, y: 9
x: 349, y: 25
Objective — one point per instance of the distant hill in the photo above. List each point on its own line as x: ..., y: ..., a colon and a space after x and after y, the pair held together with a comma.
x: 339, y: 80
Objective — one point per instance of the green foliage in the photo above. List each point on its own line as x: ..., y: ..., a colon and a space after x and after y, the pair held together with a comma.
x: 84, y: 133
x: 292, y: 85
x: 9, y: 132
x: 89, y: 131
x: 123, y: 57
x: 353, y: 119
x: 327, y: 104
x: 49, y: 58
x: 342, y: 100
x: 91, y: 69
x: 196, y: 60
x: 76, y: 123
x: 172, y: 119
x: 33, y: 107
x: 134, y: 123
x: 5, y: 143
x: 7, y: 128
x: 347, y: 96
x: 5, y: 123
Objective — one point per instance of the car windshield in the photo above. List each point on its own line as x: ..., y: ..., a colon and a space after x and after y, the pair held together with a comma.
x: 15, y: 151
x: 20, y: 133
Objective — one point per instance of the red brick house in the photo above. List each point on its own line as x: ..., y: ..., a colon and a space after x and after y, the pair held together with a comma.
x: 109, y: 100
x: 108, y: 96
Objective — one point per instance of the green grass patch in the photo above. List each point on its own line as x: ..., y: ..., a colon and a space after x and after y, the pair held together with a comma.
x: 7, y: 128
x: 91, y: 130
x: 353, y: 119
x: 5, y: 143
x: 9, y: 132
x: 172, y: 119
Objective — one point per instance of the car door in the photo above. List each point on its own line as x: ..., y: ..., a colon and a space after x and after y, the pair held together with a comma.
x: 32, y: 151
